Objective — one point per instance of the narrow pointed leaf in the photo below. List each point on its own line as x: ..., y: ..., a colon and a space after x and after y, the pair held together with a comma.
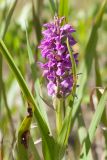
x: 93, y: 126
x: 63, y: 8
x: 31, y: 58
x: 3, y: 31
x: 33, y: 150
x: 37, y: 25
x: 7, y: 21
x: 36, y: 82
x: 88, y: 59
x: 47, y: 139
x: 53, y: 6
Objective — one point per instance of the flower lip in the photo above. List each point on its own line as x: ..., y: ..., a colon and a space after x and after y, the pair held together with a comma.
x: 68, y: 28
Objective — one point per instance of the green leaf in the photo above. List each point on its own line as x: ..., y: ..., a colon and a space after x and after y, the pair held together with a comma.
x: 97, y: 72
x: 99, y: 84
x: 41, y: 106
x: 3, y: 31
x: 49, y: 148
x: 53, y: 6
x: 25, y: 147
x: 31, y: 58
x: 82, y: 131
x: 88, y: 59
x: 93, y: 126
x: 33, y: 150
x: 37, y: 25
x: 37, y: 87
x: 47, y: 139
x: 7, y: 21
x: 63, y: 8
x: 19, y: 77
x: 22, y: 141
x: 62, y: 138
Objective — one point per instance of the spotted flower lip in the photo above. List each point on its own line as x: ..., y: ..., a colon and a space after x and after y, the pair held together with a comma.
x: 58, y: 66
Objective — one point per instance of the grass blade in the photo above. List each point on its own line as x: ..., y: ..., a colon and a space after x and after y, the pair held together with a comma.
x: 89, y: 56
x: 40, y: 102
x: 8, y: 19
x: 47, y: 139
x: 2, y: 35
x: 33, y: 149
x: 63, y: 8
x: 93, y: 126
x: 53, y: 6
x: 99, y: 84
x: 37, y: 24
x: 36, y: 81
x: 23, y: 85
x: 31, y: 58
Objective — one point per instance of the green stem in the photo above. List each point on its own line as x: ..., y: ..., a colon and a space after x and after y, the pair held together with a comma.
x: 58, y: 104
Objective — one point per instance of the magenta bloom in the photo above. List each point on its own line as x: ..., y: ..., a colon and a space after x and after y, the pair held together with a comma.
x: 58, y: 66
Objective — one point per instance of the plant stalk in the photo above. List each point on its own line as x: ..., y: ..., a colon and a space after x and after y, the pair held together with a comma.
x: 58, y: 105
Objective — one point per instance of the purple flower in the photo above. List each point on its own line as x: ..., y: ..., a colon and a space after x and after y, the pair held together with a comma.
x: 58, y: 66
